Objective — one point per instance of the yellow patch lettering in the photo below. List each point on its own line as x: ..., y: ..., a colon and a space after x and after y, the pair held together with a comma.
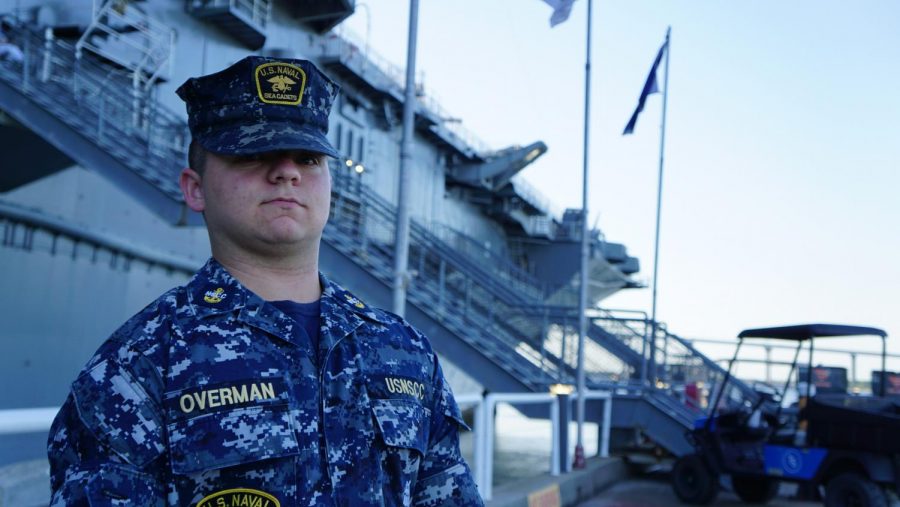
x: 239, y: 497
x: 280, y: 83
x: 187, y: 403
x: 240, y: 396
x: 225, y: 396
x: 213, y: 398
x: 201, y: 399
x: 405, y: 386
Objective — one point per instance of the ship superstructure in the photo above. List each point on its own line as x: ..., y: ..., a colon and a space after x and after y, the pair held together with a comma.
x: 92, y: 139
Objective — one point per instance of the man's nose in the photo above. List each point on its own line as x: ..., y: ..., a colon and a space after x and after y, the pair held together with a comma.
x: 284, y: 169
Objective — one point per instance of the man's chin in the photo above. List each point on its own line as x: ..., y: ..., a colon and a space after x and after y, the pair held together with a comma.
x: 291, y: 241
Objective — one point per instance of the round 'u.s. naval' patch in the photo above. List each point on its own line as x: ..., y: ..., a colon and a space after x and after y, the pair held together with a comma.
x: 280, y: 83
x: 239, y: 496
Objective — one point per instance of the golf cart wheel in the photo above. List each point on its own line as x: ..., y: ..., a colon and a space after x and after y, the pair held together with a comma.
x: 854, y: 490
x: 693, y: 480
x: 755, y: 489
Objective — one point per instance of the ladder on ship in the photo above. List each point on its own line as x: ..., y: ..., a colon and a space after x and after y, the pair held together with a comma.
x: 491, y: 317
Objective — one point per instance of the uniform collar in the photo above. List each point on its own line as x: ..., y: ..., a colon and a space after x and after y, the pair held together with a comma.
x: 342, y: 312
x: 344, y: 300
x: 213, y: 291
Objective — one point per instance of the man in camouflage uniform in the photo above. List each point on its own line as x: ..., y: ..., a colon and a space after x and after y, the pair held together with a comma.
x: 260, y: 382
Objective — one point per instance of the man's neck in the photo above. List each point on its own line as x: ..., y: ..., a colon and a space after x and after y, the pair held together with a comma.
x: 275, y: 281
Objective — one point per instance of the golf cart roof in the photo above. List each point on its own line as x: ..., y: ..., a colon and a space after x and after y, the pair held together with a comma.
x: 806, y: 331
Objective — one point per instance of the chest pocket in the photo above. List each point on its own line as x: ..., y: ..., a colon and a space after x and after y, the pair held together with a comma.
x: 228, y: 438
x: 402, y: 442
x: 249, y: 447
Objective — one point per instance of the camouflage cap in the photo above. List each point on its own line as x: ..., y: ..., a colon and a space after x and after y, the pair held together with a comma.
x: 261, y: 104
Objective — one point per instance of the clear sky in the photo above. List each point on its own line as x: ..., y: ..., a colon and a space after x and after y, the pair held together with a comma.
x: 782, y: 151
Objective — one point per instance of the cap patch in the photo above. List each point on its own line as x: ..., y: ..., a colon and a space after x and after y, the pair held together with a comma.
x: 280, y: 83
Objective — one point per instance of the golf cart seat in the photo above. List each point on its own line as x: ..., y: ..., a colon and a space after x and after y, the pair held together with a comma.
x: 734, y: 427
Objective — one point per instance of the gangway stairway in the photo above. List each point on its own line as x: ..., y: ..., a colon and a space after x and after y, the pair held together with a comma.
x: 491, y: 319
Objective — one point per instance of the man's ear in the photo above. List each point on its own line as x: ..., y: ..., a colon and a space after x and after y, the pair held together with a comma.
x: 192, y: 189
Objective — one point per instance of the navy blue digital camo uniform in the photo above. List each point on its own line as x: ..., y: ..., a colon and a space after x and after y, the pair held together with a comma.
x: 213, y: 397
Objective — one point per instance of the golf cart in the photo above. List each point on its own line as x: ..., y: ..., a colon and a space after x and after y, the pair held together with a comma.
x: 848, y: 444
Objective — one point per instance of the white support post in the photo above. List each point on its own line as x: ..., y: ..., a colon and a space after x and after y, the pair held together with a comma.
x: 606, y: 396
x: 48, y: 55
x: 490, y: 402
x: 26, y: 420
x: 555, y: 429
x: 607, y: 421
x: 480, y: 432
x: 487, y: 473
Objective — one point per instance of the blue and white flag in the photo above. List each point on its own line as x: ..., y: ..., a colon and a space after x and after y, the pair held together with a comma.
x: 561, y: 10
x: 650, y: 86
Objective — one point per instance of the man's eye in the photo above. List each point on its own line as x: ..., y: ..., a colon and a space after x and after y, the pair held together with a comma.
x: 248, y: 159
x: 305, y: 159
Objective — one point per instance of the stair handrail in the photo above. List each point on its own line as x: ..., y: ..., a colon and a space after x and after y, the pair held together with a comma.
x: 89, y: 72
x: 514, y: 273
x: 50, y: 69
x: 423, y: 238
x: 378, y: 209
x: 154, y: 47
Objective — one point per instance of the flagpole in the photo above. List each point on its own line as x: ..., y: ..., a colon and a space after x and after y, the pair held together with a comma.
x: 579, y: 461
x: 659, y: 186
x: 404, y: 178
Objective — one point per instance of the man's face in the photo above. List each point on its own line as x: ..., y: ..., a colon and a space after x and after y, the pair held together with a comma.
x: 271, y: 203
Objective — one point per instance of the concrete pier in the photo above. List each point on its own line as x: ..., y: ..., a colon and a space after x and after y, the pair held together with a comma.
x: 565, y: 490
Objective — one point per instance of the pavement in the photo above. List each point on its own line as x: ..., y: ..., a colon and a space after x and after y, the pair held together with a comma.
x: 567, y: 489
x: 25, y: 484
x: 658, y: 493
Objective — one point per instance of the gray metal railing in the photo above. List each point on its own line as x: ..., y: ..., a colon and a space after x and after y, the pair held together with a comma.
x: 257, y: 11
x: 132, y: 39
x: 32, y: 230
x: 469, y: 292
x: 98, y: 102
x: 500, y: 265
x: 473, y: 298
x: 346, y: 45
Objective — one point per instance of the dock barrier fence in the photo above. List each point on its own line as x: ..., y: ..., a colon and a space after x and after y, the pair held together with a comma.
x: 31, y: 420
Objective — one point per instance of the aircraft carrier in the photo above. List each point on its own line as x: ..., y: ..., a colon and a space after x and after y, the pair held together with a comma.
x: 93, y: 136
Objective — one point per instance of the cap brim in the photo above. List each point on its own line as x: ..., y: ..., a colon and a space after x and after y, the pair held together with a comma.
x: 263, y: 137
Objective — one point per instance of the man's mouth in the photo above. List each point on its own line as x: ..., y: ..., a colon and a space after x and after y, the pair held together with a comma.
x: 283, y: 201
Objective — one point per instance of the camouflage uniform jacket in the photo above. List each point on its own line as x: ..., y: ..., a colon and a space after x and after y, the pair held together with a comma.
x: 210, y: 397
